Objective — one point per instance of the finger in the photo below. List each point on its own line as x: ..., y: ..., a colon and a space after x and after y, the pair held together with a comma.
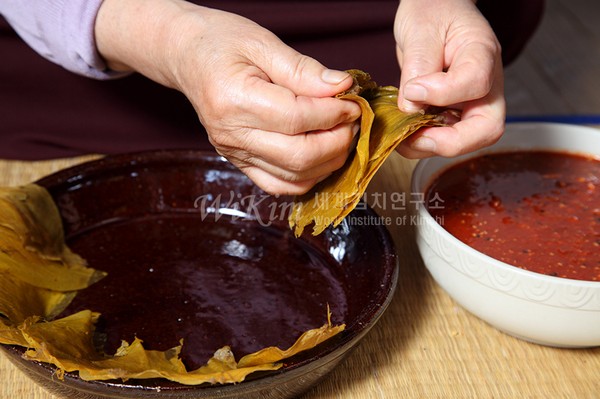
x: 469, y: 134
x: 420, y: 52
x: 275, y: 185
x: 275, y: 108
x: 298, y: 157
x: 470, y: 77
x: 265, y: 179
x: 315, y: 174
x: 301, y: 74
x: 306, y: 151
x: 482, y: 123
x: 417, y: 147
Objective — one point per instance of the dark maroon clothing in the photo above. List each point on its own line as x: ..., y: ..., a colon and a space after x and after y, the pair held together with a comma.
x: 48, y: 112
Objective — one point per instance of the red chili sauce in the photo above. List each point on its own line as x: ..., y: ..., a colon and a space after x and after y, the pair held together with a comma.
x: 536, y: 210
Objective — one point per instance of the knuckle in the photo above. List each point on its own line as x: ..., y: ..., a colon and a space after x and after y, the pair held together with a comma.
x: 479, y: 82
x: 484, y: 82
x: 496, y: 131
x: 218, y: 139
x: 495, y: 46
x: 302, y: 115
x: 453, y: 150
x: 300, y: 160
x: 290, y: 115
x: 301, y: 67
x: 230, y: 140
x: 292, y: 121
x: 339, y: 162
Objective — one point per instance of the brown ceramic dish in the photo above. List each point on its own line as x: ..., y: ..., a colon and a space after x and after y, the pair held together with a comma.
x: 194, y: 250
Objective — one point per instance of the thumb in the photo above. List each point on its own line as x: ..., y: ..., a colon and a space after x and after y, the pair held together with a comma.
x: 303, y: 75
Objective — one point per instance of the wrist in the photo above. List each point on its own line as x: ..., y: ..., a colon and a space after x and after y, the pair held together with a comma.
x: 141, y: 36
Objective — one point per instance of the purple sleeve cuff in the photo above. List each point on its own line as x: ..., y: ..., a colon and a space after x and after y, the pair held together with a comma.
x: 61, y: 31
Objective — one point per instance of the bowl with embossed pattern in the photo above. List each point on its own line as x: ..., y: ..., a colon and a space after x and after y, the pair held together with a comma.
x: 512, y: 231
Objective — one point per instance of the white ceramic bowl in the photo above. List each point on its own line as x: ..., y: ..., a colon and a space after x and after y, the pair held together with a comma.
x: 535, y: 307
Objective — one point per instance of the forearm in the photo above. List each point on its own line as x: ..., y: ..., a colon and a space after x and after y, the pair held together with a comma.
x: 145, y: 35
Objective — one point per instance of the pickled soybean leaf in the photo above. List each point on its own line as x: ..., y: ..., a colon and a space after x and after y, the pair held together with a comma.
x: 31, y: 234
x: 68, y: 343
x: 383, y: 126
x: 39, y: 277
x: 38, y: 272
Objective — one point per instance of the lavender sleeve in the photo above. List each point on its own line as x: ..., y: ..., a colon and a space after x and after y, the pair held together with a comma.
x: 61, y: 31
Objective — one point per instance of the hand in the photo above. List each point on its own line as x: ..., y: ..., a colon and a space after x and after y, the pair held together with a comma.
x: 449, y: 57
x: 266, y: 108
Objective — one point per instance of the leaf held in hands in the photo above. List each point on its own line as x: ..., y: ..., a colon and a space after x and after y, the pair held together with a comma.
x: 382, y: 127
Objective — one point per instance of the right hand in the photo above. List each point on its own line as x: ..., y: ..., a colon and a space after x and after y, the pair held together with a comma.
x: 267, y: 108
x: 450, y: 57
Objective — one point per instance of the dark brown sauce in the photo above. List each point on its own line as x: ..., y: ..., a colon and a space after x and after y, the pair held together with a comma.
x: 230, y: 282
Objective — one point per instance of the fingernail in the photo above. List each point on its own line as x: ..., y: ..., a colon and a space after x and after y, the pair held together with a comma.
x: 410, y: 107
x: 320, y: 179
x: 355, y: 138
x: 333, y: 77
x: 423, y: 144
x: 355, y: 128
x: 415, y: 92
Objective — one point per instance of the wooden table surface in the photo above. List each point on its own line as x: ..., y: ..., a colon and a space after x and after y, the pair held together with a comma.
x: 425, y: 345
